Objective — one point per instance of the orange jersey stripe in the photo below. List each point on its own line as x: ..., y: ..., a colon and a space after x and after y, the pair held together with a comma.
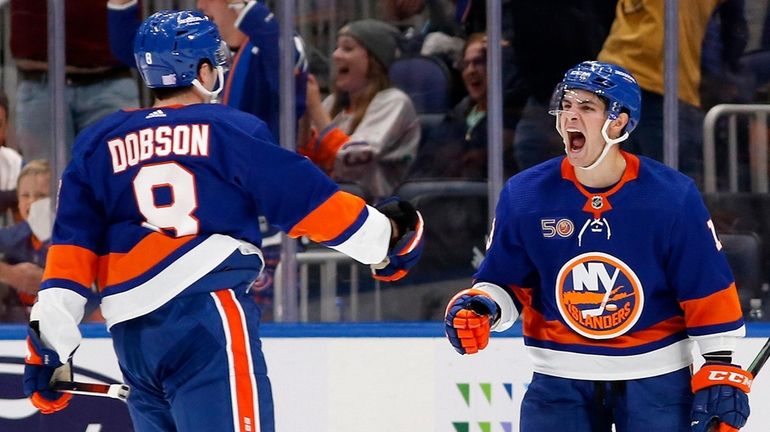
x: 70, y: 262
x: 324, y: 152
x: 331, y: 218
x: 719, y: 308
x: 240, y: 356
x: 537, y: 327
x: 117, y: 268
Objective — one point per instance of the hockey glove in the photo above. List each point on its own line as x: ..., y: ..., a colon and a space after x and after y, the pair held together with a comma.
x: 469, y: 317
x: 42, y: 367
x: 406, y: 248
x: 720, y: 396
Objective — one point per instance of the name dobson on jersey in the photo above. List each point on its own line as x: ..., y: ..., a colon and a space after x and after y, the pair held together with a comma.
x: 142, y: 145
x: 598, y: 295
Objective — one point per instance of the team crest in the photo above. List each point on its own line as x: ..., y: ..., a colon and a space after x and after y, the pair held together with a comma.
x: 599, y: 296
x: 565, y: 228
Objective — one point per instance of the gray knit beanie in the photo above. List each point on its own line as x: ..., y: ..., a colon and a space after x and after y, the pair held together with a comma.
x: 378, y: 37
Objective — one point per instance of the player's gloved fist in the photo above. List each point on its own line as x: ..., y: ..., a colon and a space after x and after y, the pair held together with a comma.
x: 41, y: 366
x: 406, y: 248
x: 469, y: 316
x: 720, y: 396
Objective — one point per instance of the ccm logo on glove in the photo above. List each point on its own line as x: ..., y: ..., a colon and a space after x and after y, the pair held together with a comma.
x: 716, y: 374
x: 729, y: 376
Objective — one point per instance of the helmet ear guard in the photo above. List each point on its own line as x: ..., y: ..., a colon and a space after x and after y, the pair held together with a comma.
x: 170, y: 46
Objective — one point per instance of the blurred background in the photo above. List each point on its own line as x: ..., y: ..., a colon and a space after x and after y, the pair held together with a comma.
x: 473, y: 82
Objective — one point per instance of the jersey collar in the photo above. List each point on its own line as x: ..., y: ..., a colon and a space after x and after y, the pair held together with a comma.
x: 598, y: 203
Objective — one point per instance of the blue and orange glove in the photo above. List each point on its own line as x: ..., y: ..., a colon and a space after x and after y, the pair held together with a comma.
x: 721, y: 396
x: 41, y: 366
x: 469, y: 318
x: 406, y: 248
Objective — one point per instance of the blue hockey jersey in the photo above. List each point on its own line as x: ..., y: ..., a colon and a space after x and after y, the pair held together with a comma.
x: 610, y: 284
x: 162, y: 202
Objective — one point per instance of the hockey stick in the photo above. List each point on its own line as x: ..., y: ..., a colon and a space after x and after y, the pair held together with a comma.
x: 760, y: 359
x: 115, y: 391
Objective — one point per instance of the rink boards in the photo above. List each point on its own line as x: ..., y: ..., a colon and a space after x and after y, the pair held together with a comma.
x: 342, y: 377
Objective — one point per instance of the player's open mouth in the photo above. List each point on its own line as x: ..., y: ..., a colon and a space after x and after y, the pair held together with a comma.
x: 576, y: 140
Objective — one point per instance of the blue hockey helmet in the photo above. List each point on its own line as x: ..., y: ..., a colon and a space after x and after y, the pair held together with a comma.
x: 170, y: 45
x: 613, y: 83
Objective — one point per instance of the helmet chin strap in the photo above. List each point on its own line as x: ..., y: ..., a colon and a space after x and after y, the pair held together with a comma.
x: 211, y: 95
x: 608, y: 143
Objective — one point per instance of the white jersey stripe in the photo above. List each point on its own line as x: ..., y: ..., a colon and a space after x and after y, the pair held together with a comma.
x: 154, y: 293
x: 369, y: 244
x: 572, y: 365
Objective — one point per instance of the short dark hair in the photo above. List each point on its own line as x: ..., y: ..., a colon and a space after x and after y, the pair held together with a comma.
x: 162, y: 93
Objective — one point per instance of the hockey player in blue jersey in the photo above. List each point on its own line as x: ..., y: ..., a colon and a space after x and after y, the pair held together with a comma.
x: 613, y: 264
x: 251, y: 84
x: 158, y: 208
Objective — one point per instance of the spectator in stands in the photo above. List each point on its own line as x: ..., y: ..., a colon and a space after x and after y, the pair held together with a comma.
x: 530, y: 68
x: 457, y: 147
x: 96, y: 83
x: 419, y: 19
x: 366, y: 132
x: 636, y: 43
x: 423, y: 16
x: 10, y: 164
x: 428, y: 29
x: 24, y: 245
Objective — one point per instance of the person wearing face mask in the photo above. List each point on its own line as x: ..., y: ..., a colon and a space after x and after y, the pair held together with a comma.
x: 367, y: 131
x: 24, y: 245
x: 613, y: 264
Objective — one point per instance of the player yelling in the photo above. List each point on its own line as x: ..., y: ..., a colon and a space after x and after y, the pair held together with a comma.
x: 612, y: 262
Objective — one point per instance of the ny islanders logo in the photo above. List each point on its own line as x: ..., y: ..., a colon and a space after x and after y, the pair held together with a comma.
x: 598, y: 295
